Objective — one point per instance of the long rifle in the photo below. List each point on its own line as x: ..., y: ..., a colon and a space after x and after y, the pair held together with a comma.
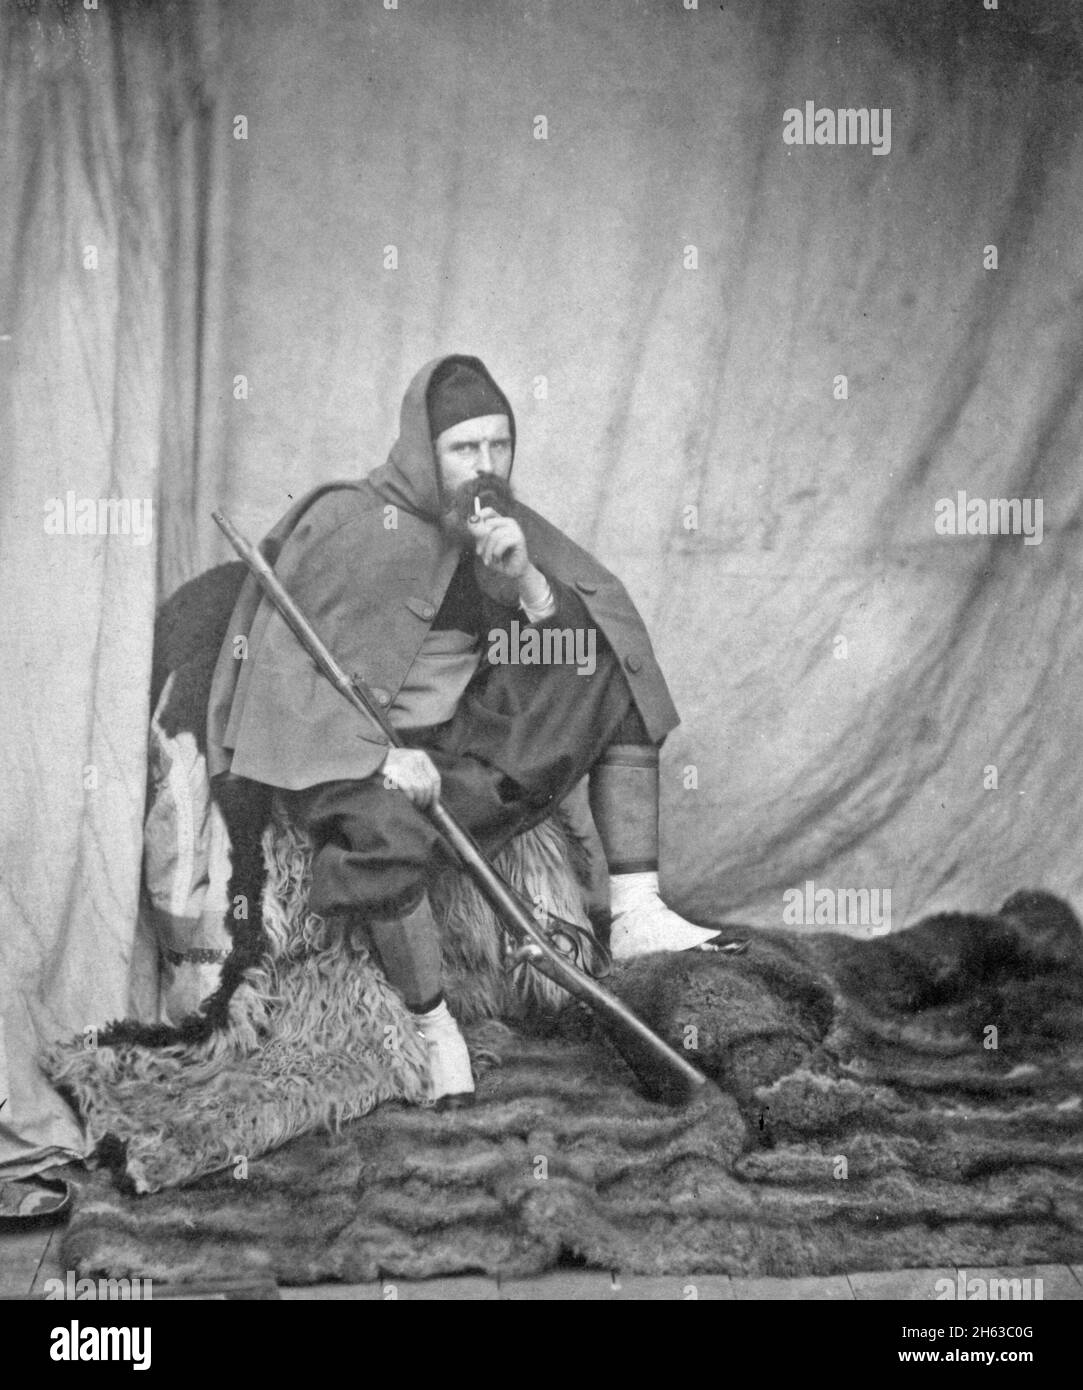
x: 663, y: 1072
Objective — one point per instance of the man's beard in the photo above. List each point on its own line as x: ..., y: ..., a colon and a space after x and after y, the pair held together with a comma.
x: 489, y: 491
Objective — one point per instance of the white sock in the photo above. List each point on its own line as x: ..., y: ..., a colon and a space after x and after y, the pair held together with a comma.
x: 642, y: 923
x: 449, y: 1059
x: 440, y: 1014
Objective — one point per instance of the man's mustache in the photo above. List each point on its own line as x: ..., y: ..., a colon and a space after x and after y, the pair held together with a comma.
x: 489, y: 491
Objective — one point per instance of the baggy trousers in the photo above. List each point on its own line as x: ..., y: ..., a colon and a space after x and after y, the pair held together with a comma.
x: 519, y: 741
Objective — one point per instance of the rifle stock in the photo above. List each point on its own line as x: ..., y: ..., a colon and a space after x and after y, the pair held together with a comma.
x: 663, y: 1072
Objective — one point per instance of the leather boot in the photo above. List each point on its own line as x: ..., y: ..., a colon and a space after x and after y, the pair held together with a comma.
x: 624, y: 804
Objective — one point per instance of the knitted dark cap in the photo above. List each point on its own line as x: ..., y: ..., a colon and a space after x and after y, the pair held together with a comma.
x: 460, y: 392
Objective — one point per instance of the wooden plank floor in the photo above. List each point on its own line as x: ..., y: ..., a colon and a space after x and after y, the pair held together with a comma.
x: 27, y: 1260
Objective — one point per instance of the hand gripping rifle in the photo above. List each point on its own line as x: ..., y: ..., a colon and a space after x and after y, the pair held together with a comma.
x: 663, y: 1072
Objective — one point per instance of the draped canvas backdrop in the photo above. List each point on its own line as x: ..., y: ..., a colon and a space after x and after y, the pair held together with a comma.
x: 688, y: 286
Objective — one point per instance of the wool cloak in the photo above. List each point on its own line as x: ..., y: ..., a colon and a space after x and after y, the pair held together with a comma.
x: 368, y: 564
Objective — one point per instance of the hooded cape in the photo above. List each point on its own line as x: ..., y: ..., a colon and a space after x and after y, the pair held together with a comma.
x: 368, y: 565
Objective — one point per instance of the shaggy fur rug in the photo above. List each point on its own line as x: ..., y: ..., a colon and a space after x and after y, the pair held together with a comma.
x: 910, y: 1100
x: 314, y: 1035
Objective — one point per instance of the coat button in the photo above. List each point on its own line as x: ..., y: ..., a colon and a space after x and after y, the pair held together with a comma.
x: 586, y: 586
x: 428, y: 611
x: 381, y: 697
x: 633, y: 663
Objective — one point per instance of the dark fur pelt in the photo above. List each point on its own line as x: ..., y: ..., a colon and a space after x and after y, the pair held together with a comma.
x: 189, y: 630
x: 862, y: 1121
x: 902, y: 1005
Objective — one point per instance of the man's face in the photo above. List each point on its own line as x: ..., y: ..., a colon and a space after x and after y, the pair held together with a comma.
x: 473, y: 449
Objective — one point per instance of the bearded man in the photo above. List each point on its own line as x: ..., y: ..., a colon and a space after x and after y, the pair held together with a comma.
x: 409, y: 575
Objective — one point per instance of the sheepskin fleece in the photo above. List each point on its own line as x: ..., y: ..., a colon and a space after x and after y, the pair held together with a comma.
x: 314, y: 1035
